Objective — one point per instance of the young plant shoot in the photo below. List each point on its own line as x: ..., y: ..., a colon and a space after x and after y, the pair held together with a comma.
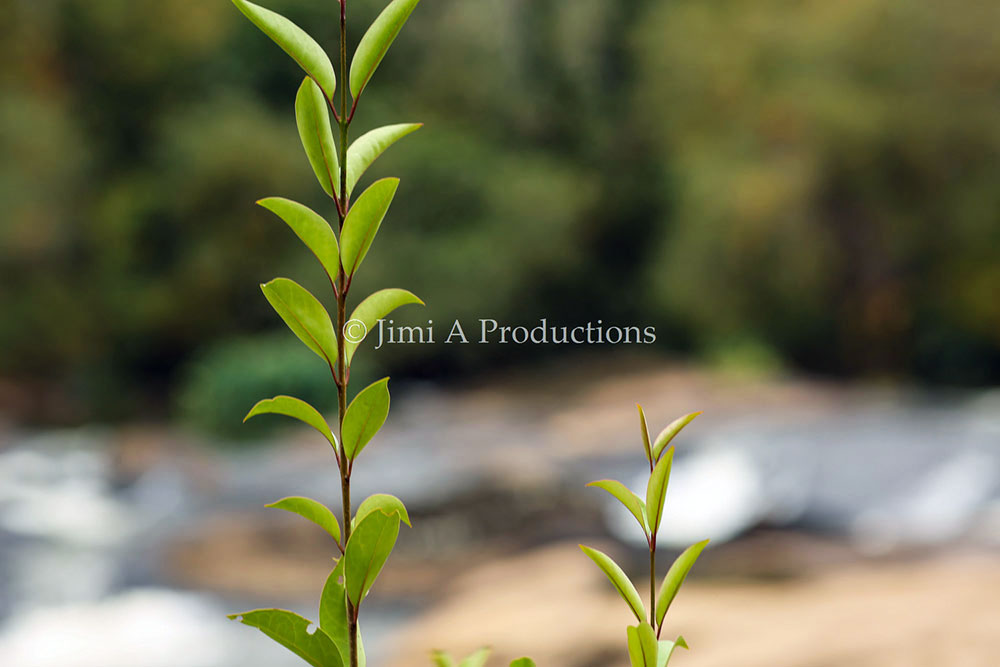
x: 363, y: 541
x: 645, y: 648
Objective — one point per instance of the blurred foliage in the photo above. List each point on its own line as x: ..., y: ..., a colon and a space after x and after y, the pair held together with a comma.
x: 221, y: 384
x: 814, y: 179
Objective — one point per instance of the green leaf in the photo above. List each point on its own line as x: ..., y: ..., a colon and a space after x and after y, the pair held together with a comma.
x: 376, y: 41
x: 477, y: 659
x: 619, y: 580
x: 442, y: 659
x: 294, y: 407
x: 365, y: 416
x: 296, y: 42
x: 645, y: 435
x: 292, y: 631
x: 385, y: 503
x: 676, y: 575
x: 312, y: 116
x: 370, y: 145
x: 656, y: 491
x: 313, y: 510
x: 668, y: 434
x: 642, y: 647
x: 367, y: 550
x: 523, y: 662
x: 333, y: 615
x: 304, y: 315
x: 314, y: 231
x: 665, y: 649
x: 626, y: 496
x: 363, y: 220
x: 373, y: 309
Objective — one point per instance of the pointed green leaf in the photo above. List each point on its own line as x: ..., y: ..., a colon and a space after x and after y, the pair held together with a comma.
x: 668, y: 434
x: 656, y: 490
x: 676, y: 575
x: 313, y: 510
x: 365, y: 416
x: 312, y: 116
x: 304, y: 315
x: 626, y: 496
x: 645, y: 435
x: 296, y: 42
x: 477, y: 659
x: 665, y: 649
x: 523, y: 662
x: 442, y: 659
x: 642, y: 646
x: 385, y: 503
x: 619, y: 580
x: 373, y: 309
x: 376, y: 41
x: 370, y: 145
x: 363, y: 220
x: 314, y: 231
x: 333, y: 615
x: 294, y: 407
x: 292, y: 631
x: 367, y: 550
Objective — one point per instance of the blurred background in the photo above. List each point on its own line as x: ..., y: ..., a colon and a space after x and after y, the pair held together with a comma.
x: 801, y: 198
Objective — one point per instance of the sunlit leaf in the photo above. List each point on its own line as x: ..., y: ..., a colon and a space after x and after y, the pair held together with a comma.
x: 376, y: 41
x: 626, y: 496
x: 333, y: 615
x: 642, y: 647
x: 363, y: 220
x: 312, y: 116
x: 367, y: 550
x: 523, y: 662
x: 676, y: 575
x: 656, y: 490
x: 293, y: 632
x: 477, y: 659
x: 294, y: 407
x: 314, y: 231
x: 668, y: 434
x: 618, y: 579
x: 313, y: 510
x: 665, y: 650
x: 645, y: 435
x: 370, y: 311
x: 385, y: 503
x: 304, y: 315
x: 296, y: 42
x: 370, y: 145
x: 442, y: 659
x: 365, y: 416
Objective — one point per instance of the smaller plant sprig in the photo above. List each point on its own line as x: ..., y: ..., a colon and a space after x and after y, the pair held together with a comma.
x: 477, y: 659
x: 645, y: 648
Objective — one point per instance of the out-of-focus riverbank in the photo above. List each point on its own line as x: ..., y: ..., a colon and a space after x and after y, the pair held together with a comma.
x: 851, y: 526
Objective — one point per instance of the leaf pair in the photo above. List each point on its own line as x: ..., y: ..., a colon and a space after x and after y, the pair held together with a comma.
x: 644, y: 650
x: 313, y: 59
x: 311, y: 323
x: 312, y: 117
x: 654, y: 448
x: 650, y: 512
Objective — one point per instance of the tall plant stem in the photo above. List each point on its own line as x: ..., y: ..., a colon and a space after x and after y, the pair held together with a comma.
x: 343, y: 376
x: 652, y: 582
